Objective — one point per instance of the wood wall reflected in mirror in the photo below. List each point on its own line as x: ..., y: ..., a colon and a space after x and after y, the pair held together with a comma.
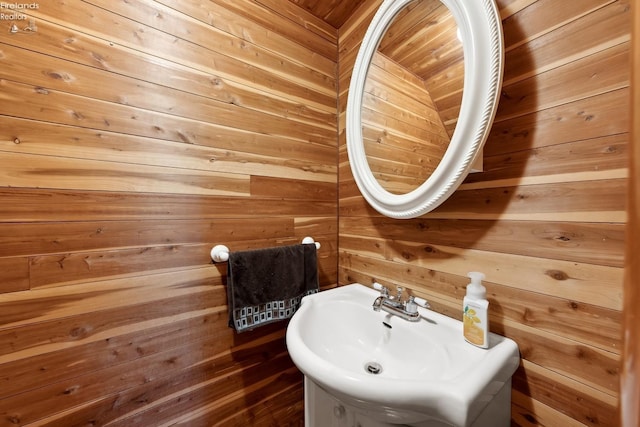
x: 412, y: 96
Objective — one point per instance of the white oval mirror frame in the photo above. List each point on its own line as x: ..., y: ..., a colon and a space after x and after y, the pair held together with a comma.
x: 483, y: 46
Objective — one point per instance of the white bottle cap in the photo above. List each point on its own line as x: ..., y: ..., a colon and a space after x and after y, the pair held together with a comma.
x: 475, y: 288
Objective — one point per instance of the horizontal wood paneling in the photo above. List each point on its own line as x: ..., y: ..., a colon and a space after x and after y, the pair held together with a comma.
x: 546, y: 218
x: 334, y: 12
x: 134, y: 136
x: 575, y: 122
x: 403, y: 133
x: 629, y: 407
x: 28, y: 204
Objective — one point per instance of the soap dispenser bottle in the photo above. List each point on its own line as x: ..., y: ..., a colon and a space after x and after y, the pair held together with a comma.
x: 475, y: 315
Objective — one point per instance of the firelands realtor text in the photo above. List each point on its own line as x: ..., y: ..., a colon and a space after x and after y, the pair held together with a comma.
x: 13, y: 11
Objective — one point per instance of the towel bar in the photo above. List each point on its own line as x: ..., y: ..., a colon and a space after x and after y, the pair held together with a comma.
x: 220, y: 253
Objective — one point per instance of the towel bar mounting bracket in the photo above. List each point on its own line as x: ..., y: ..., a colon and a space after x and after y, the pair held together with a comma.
x: 220, y: 253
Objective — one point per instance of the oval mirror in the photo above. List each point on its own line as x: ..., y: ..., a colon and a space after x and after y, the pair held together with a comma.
x: 415, y: 120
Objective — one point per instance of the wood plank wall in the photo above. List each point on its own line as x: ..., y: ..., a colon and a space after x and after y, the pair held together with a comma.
x: 134, y: 136
x: 545, y: 221
x: 630, y: 370
x: 403, y: 134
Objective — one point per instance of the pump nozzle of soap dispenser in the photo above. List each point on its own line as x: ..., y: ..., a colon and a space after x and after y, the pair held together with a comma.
x: 475, y: 288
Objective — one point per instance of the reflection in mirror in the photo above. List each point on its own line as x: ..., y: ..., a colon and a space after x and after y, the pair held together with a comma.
x: 412, y: 95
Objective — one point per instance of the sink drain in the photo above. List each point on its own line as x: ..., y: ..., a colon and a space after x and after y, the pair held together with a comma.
x: 373, y: 368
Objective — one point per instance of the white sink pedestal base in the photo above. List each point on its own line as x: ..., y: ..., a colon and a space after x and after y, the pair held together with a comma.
x: 324, y: 410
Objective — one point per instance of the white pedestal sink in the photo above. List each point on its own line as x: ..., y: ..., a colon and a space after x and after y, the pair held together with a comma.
x: 379, y: 369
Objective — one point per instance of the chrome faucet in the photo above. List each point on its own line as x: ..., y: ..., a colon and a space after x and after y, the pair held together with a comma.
x: 406, y: 309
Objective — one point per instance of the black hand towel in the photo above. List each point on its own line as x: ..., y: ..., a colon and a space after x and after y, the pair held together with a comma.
x: 266, y: 285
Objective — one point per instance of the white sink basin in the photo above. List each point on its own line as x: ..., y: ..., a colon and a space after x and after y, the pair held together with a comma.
x: 393, y: 370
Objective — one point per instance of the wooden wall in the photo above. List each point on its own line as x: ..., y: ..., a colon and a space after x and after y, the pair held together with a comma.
x: 545, y: 220
x: 403, y: 134
x: 134, y: 136
x: 630, y: 370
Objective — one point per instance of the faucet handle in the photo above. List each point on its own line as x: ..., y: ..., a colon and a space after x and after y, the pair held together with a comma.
x: 414, y: 302
x: 383, y: 289
x: 421, y: 302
